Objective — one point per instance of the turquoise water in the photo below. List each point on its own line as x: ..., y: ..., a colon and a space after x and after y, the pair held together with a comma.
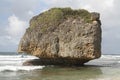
x: 105, y: 68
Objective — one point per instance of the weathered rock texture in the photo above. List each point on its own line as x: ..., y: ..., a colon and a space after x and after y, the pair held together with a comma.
x: 63, y: 36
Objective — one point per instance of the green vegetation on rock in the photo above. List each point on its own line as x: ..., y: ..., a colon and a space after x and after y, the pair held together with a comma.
x: 55, y: 16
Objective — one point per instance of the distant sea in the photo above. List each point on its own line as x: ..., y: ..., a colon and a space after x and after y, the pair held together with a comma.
x: 105, y: 68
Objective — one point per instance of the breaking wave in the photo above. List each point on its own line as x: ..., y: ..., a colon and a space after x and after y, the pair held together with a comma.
x: 14, y: 63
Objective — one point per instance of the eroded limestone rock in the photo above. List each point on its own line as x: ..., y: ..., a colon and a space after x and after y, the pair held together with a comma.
x: 63, y: 36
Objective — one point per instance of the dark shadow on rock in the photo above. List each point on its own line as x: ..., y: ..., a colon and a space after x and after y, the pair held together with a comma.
x: 55, y: 61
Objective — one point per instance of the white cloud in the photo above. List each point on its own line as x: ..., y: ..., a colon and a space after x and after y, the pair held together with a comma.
x: 15, y: 28
x: 12, y: 33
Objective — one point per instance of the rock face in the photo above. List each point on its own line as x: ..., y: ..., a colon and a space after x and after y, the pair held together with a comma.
x: 62, y: 36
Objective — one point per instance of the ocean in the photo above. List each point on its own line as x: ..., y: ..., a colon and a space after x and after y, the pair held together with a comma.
x: 105, y: 68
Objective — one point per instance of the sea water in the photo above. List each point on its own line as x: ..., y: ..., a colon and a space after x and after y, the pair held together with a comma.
x: 105, y: 68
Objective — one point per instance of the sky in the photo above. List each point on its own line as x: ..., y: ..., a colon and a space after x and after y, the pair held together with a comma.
x: 15, y: 16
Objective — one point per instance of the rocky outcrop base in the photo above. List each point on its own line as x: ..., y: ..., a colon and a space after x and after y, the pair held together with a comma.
x: 57, y: 61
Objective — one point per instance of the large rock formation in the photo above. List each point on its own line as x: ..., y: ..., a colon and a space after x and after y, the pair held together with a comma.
x: 62, y: 36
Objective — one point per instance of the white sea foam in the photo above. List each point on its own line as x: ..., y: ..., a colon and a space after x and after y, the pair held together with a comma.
x: 110, y: 56
x: 14, y: 63
x: 118, y: 61
x: 16, y: 57
x: 18, y: 68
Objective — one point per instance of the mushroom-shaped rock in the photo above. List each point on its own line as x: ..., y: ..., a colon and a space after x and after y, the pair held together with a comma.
x: 62, y: 36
